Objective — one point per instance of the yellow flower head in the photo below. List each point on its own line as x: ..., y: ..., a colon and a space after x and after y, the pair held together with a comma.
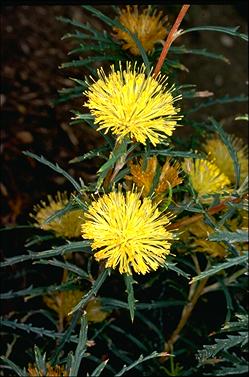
x: 63, y: 302
x: 144, y: 178
x: 129, y: 232
x: 218, y: 152
x: 150, y: 28
x: 56, y: 371
x: 133, y: 105
x: 205, y: 176
x: 67, y: 225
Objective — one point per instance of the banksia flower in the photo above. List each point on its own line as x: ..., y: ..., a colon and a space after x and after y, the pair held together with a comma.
x: 144, y: 178
x: 129, y: 232
x: 218, y: 152
x: 67, y: 225
x: 132, y: 105
x: 205, y: 176
x: 150, y: 28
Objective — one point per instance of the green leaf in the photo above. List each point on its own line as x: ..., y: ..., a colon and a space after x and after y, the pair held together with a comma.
x: 97, y: 371
x: 129, y: 281
x: 77, y: 246
x: 217, y: 101
x: 14, y: 367
x: 89, y: 155
x: 40, y: 360
x: 227, y: 30
x: 56, y: 168
x: 66, y: 266
x: 223, y: 345
x: 197, y: 51
x: 81, y: 347
x: 40, y: 331
x: 140, y: 360
x: 239, y: 236
x: 93, y: 291
x: 172, y: 266
x: 91, y: 59
x: 169, y: 152
x: 230, y: 262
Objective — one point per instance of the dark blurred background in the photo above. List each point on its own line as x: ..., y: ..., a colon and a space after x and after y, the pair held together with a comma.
x: 32, y: 50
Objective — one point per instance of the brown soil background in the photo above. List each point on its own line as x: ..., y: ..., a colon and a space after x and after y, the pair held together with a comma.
x: 32, y: 50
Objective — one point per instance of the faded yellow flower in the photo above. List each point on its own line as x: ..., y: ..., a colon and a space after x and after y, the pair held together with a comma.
x: 169, y: 176
x: 218, y: 152
x: 144, y: 178
x: 132, y: 105
x: 205, y: 176
x: 150, y: 28
x: 198, y: 232
x: 129, y: 232
x: 63, y: 302
x: 56, y: 371
x: 67, y: 225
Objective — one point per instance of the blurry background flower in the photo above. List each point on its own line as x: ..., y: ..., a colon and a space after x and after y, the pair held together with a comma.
x: 67, y: 225
x: 150, y: 27
x: 130, y: 104
x: 129, y: 232
x: 144, y: 178
x: 63, y: 302
x: 205, y: 176
x: 218, y: 152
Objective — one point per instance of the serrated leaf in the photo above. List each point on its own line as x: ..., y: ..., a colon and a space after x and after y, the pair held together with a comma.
x: 230, y: 262
x: 197, y: 51
x: 81, y: 347
x: 140, y: 360
x: 129, y: 281
x: 14, y: 367
x: 97, y: 371
x: 93, y: 291
x: 77, y: 246
x: 238, y: 236
x: 217, y: 101
x: 222, y: 29
x: 172, y: 266
x: 56, y: 168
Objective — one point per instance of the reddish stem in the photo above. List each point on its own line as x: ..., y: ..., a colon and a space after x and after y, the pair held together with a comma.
x: 170, y: 38
x: 211, y: 211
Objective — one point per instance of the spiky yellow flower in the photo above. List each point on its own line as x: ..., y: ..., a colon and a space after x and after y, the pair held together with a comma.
x: 128, y: 232
x: 218, y: 152
x: 205, y: 176
x: 133, y: 105
x: 63, y: 302
x: 144, y: 178
x: 56, y: 371
x: 150, y: 28
x: 67, y: 225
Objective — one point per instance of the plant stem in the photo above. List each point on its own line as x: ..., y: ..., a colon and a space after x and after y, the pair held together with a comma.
x: 170, y: 38
x: 211, y: 211
x: 187, y: 310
